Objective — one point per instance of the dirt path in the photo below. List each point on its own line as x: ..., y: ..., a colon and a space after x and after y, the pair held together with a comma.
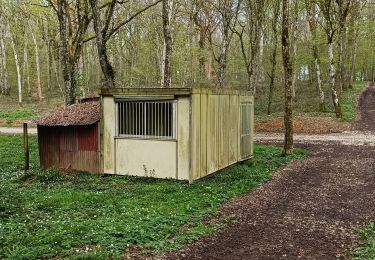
x: 311, y: 209
x: 16, y: 130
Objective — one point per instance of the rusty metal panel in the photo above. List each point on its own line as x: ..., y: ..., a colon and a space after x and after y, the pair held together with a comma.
x: 70, y: 147
x: 48, y: 137
x: 88, y: 138
x: 68, y: 139
x: 86, y: 161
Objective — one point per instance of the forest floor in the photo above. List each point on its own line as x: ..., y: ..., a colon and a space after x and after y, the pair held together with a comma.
x: 311, y: 209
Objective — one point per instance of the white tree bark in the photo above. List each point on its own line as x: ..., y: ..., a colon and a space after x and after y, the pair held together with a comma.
x: 25, y: 66
x: 4, y: 84
x: 16, y: 61
x: 319, y: 82
x: 331, y: 72
x: 37, y: 64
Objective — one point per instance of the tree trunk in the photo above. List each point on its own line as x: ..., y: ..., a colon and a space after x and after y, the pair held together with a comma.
x: 25, y: 67
x: 294, y: 46
x: 331, y: 72
x: 167, y: 50
x: 272, y: 75
x: 353, y: 59
x: 202, y: 58
x: 3, y: 63
x: 101, y: 43
x: 37, y: 64
x: 68, y: 66
x: 311, y: 12
x: 288, y: 81
x: 341, y: 65
x: 16, y: 61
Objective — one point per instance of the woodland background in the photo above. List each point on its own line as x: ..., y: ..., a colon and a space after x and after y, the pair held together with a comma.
x: 214, y: 43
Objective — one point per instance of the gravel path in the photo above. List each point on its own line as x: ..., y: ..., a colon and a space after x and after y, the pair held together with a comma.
x: 352, y: 138
x: 16, y: 130
x: 311, y: 209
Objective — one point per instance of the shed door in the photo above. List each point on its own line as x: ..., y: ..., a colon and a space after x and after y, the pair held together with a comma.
x: 245, y: 130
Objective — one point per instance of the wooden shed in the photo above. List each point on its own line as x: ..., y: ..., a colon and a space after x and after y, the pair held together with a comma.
x: 178, y: 133
x: 69, y: 138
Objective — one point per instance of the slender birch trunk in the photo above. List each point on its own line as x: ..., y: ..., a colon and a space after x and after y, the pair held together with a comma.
x: 352, y: 76
x: 331, y: 72
x: 37, y: 64
x: 16, y: 61
x: 3, y: 63
x: 25, y: 66
x: 311, y: 12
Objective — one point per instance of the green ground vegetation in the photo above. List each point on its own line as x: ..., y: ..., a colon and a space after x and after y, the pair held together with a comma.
x: 49, y: 214
x: 366, y: 248
x: 349, y: 102
x: 19, y: 114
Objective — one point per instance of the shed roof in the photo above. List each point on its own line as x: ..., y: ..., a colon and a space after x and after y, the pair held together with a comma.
x: 158, y: 91
x: 85, y: 113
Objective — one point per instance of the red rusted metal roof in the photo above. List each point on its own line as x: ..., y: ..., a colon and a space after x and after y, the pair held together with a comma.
x: 86, y: 113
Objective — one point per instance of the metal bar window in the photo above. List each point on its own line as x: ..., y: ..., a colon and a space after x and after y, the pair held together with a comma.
x: 146, y: 119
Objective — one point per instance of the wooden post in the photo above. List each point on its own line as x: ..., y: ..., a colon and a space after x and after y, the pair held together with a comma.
x: 26, y: 147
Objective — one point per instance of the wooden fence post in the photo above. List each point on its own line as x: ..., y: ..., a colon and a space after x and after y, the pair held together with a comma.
x: 26, y: 147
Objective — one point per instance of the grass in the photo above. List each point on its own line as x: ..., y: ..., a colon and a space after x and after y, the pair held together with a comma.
x: 366, y: 249
x: 19, y: 114
x: 349, y: 102
x: 50, y: 214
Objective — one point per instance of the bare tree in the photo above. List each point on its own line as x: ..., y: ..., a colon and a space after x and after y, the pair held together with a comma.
x: 343, y: 9
x: 18, y: 67
x: 353, y: 39
x: 273, y: 59
x: 74, y: 19
x: 328, y: 10
x: 37, y: 64
x: 220, y: 40
x: 288, y: 78
x: 250, y: 34
x: 312, y: 14
x: 104, y: 30
x: 4, y: 84
x: 167, y: 49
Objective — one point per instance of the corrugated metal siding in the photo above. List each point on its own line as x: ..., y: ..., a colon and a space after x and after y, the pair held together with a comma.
x: 49, y: 152
x: 221, y: 132
x: 70, y: 147
x: 88, y: 138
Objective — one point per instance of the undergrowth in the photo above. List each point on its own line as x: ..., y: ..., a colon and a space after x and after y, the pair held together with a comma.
x: 366, y: 249
x: 51, y: 214
x: 349, y: 102
x: 19, y: 114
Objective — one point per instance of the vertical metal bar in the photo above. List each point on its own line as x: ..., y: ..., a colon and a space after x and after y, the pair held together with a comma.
x: 118, y: 118
x: 132, y: 110
x: 154, y: 119
x: 168, y: 119
x: 123, y: 118
x: 135, y: 118
x: 139, y: 118
x: 158, y: 118
x: 145, y: 118
x: 126, y: 117
x: 174, y: 121
x: 165, y: 120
